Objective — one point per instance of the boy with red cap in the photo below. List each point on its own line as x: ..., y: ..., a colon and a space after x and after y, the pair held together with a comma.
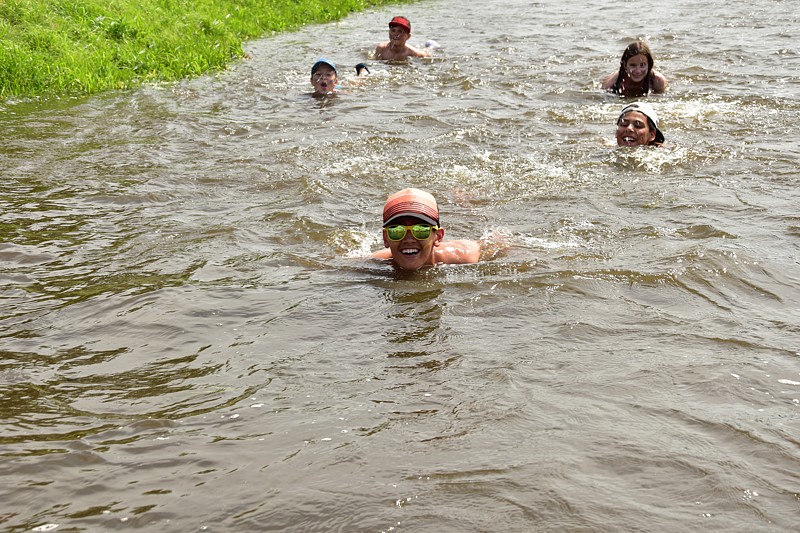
x: 413, y: 236
x: 396, y: 47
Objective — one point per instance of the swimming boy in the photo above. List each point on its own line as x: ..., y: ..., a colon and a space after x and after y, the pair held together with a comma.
x: 413, y: 236
x: 396, y: 47
x: 324, y: 78
x: 637, y: 125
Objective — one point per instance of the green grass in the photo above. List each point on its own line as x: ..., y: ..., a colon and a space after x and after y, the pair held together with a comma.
x: 57, y: 47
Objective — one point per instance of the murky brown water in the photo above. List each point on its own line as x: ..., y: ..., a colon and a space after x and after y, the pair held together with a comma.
x: 189, y: 344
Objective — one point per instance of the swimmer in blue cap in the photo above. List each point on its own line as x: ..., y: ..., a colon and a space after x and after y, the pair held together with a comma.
x: 324, y: 77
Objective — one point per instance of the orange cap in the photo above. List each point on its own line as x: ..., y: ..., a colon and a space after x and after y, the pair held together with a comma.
x: 411, y: 203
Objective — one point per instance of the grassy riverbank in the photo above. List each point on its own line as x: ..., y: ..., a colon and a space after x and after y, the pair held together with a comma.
x: 52, y: 47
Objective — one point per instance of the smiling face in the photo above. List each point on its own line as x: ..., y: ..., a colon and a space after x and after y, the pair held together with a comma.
x: 324, y: 79
x: 637, y: 67
x: 634, y: 130
x: 409, y: 253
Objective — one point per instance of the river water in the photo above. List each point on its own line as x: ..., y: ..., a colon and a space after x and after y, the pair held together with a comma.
x: 192, y: 342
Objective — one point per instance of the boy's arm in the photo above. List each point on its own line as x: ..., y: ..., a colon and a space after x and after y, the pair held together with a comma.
x: 386, y: 253
x: 416, y: 52
x: 458, y: 252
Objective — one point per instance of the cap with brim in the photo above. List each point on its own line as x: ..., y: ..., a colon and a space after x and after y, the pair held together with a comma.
x: 323, y: 61
x: 411, y: 203
x: 402, y: 22
x: 648, y: 111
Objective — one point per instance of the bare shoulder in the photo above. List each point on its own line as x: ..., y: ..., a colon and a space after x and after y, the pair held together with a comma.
x: 660, y: 82
x: 610, y: 80
x: 380, y: 50
x: 458, y: 252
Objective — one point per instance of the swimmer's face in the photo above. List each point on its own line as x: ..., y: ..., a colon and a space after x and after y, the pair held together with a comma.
x: 398, y: 34
x: 410, y: 253
x: 637, y: 67
x: 324, y: 79
x: 634, y: 130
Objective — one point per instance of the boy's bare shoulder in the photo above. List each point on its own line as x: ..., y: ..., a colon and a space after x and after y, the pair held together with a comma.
x: 380, y: 50
x: 458, y: 252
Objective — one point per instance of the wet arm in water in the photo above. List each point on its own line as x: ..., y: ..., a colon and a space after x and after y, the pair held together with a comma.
x: 458, y: 252
x: 381, y: 254
x: 448, y: 252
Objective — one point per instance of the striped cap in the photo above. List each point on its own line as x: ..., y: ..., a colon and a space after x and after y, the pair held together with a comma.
x: 411, y: 203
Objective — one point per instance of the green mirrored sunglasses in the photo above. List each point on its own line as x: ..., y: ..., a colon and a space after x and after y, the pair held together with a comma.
x: 419, y: 231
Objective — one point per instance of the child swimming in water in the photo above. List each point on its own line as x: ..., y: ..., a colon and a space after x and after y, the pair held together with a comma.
x: 396, y: 47
x: 324, y: 78
x: 413, y: 235
x: 637, y: 125
x: 636, y: 75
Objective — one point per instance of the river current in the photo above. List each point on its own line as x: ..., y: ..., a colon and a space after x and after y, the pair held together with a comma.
x: 192, y: 340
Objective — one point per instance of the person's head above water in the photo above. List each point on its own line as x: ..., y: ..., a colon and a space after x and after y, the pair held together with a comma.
x: 636, y: 75
x: 637, y: 125
x: 413, y: 235
x: 396, y: 47
x: 637, y: 48
x: 411, y: 229
x: 402, y: 23
x: 324, y: 76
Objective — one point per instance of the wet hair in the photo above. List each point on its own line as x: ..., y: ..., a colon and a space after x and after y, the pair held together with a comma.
x: 634, y: 49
